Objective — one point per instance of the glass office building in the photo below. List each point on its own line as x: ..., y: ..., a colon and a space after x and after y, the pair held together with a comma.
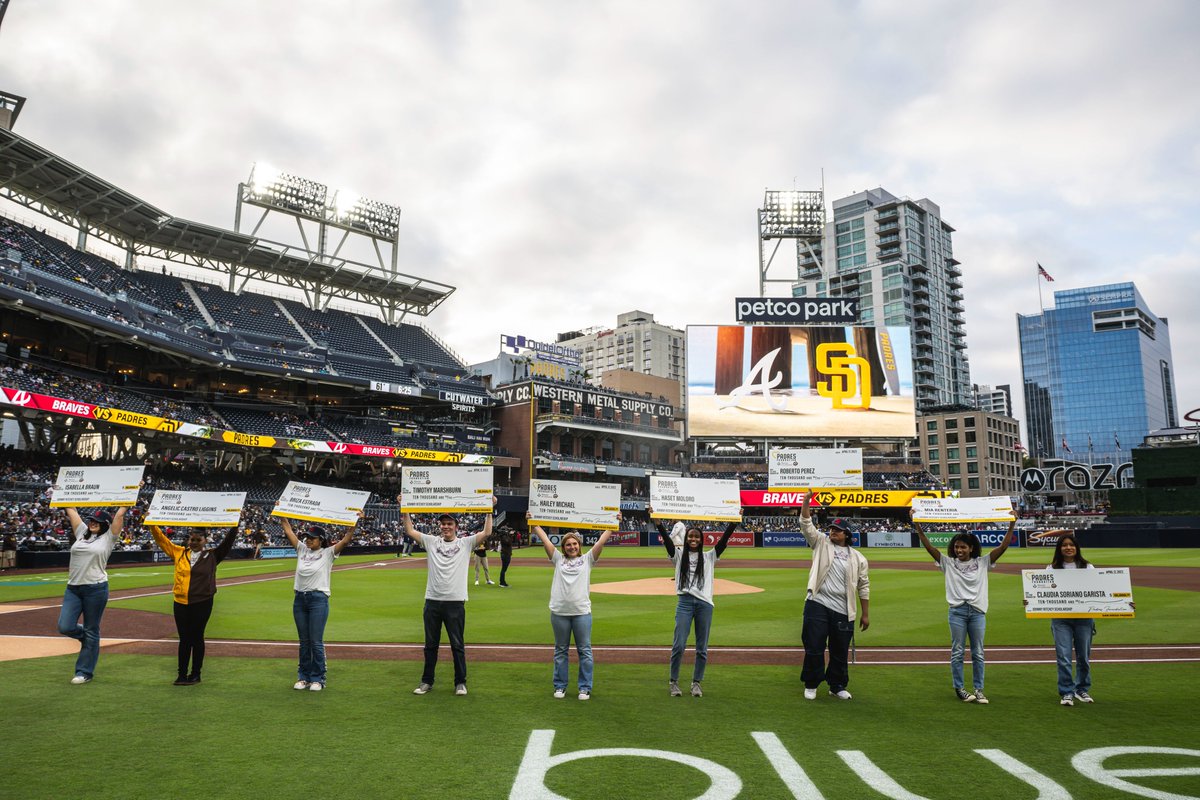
x: 1097, y: 374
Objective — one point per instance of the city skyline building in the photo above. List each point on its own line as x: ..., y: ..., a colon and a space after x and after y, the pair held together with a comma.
x: 637, y: 343
x: 1097, y: 374
x: 896, y: 256
x: 993, y: 399
x: 973, y: 451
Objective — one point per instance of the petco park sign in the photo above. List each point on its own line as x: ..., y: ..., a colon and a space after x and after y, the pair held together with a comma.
x: 795, y: 311
x: 1176, y: 763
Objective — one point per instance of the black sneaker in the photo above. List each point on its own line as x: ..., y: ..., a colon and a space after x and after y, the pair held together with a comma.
x: 965, y: 696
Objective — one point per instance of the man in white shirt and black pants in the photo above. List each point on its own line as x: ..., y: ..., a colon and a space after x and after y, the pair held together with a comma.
x: 448, y: 559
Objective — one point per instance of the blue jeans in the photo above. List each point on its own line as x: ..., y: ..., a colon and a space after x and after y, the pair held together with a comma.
x: 311, y: 611
x: 88, y: 600
x: 691, y: 609
x: 966, y: 621
x: 1075, y: 633
x: 581, y: 626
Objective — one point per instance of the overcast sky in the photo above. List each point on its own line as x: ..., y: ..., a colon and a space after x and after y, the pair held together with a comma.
x: 562, y: 162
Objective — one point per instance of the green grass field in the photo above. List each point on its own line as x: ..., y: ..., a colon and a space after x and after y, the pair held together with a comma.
x: 245, y: 732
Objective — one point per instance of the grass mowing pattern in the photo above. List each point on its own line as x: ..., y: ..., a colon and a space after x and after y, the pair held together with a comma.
x: 245, y: 733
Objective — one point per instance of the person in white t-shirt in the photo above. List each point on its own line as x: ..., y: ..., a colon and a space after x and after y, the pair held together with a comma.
x: 966, y: 573
x: 571, y: 605
x: 695, y: 572
x: 1071, y: 633
x: 86, y: 596
x: 447, y: 561
x: 838, y: 582
x: 310, y: 606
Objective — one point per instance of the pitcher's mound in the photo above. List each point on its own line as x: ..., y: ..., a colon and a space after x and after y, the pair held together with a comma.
x: 666, y: 586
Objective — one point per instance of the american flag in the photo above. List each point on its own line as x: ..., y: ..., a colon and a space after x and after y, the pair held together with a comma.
x: 1066, y: 447
x: 1042, y: 273
x: 1116, y: 441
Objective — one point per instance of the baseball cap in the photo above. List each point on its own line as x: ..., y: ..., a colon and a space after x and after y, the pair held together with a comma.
x: 842, y: 525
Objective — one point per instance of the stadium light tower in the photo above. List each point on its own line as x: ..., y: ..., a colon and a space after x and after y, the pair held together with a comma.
x: 798, y: 216
x: 274, y: 190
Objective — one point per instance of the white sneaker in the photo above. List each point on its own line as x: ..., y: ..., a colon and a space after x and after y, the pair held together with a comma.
x: 78, y: 679
x: 300, y: 685
x: 316, y: 686
x: 1067, y: 700
x: 840, y: 695
x: 810, y: 694
x: 460, y: 689
x: 491, y: 583
x: 423, y: 688
x: 585, y: 695
x: 559, y: 694
x: 476, y: 583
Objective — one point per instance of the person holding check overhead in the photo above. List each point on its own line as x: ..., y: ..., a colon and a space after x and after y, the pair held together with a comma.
x: 837, y: 582
x: 448, y: 559
x: 571, y: 605
x: 966, y: 571
x: 695, y: 572
x: 86, y: 596
x: 310, y: 608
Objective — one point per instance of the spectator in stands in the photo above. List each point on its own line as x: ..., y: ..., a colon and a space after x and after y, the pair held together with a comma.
x: 92, y: 542
x: 838, y: 575
x: 1072, y: 633
x: 447, y: 558
x: 195, y: 587
x: 695, y: 574
x: 571, y: 605
x: 310, y: 605
x: 966, y: 575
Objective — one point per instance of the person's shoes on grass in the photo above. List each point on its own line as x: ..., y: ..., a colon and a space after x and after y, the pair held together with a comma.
x: 300, y: 685
x: 675, y: 690
x: 423, y: 688
x: 316, y: 686
x: 559, y: 694
x: 1084, y: 697
x: 460, y: 689
x: 585, y: 695
x: 1067, y: 700
x: 980, y: 697
x: 840, y: 694
x: 965, y: 696
x: 696, y: 691
x: 810, y: 694
x: 78, y: 679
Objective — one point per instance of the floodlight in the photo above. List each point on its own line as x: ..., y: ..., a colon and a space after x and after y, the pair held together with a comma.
x: 262, y: 177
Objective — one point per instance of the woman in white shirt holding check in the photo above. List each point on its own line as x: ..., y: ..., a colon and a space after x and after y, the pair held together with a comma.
x: 310, y: 608
x: 966, y: 572
x: 92, y: 541
x: 571, y: 605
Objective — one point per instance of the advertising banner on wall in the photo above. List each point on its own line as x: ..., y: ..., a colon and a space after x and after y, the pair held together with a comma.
x: 795, y: 381
x: 736, y: 539
x: 837, y: 498
x: 889, y: 539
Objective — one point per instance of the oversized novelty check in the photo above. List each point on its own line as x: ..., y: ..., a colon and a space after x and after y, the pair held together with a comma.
x: 195, y: 509
x: 92, y: 487
x: 446, y: 489
x: 962, y: 509
x: 695, y: 498
x: 575, y: 504
x: 1077, y: 593
x: 798, y: 470
x: 313, y: 503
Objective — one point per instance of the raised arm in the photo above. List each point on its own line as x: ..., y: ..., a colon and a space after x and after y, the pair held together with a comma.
x: 118, y: 522
x: 811, y: 534
x: 341, y: 543
x: 934, y: 553
x: 999, y: 549
x: 599, y: 545
x: 409, y: 530
x: 74, y: 519
x: 286, y: 524
x: 487, y: 524
x: 724, y: 540
x: 160, y: 538
x: 222, y: 550
x: 542, y: 537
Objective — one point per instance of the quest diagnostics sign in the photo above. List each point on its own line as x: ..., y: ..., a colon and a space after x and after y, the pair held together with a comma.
x: 796, y: 311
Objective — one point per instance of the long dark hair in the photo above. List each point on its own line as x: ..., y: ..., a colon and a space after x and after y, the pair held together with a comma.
x: 1080, y: 561
x: 686, y: 577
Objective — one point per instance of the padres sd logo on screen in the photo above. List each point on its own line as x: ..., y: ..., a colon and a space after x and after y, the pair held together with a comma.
x: 845, y: 381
